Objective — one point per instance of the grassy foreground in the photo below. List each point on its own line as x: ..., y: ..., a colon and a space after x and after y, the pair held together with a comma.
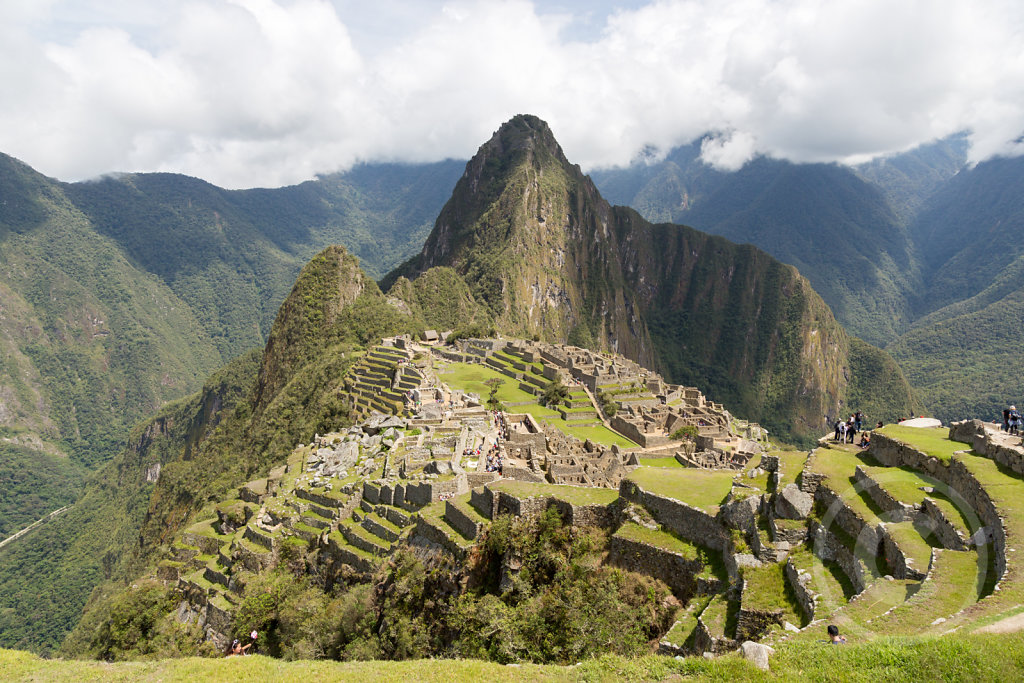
x: 950, y: 658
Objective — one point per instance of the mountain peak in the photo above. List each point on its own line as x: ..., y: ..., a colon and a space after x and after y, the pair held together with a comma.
x: 524, y: 132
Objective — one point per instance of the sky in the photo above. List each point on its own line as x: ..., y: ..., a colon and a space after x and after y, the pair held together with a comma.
x: 264, y: 93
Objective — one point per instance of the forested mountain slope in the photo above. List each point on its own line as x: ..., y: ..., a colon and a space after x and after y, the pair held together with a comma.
x: 120, y: 294
x: 837, y: 229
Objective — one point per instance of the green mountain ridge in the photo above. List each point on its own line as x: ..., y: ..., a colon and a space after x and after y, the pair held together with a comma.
x: 252, y: 413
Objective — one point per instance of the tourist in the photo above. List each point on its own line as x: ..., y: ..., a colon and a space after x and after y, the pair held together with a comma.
x: 865, y: 439
x: 237, y: 648
x: 858, y: 420
x: 833, y: 635
x: 879, y: 425
x: 1014, y: 420
x: 838, y: 422
x: 841, y: 437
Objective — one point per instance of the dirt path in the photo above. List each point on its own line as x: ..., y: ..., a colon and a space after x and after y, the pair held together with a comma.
x: 18, y: 534
x: 1007, y: 625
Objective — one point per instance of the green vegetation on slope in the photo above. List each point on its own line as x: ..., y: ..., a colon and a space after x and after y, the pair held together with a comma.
x: 33, y: 483
x: 47, y: 577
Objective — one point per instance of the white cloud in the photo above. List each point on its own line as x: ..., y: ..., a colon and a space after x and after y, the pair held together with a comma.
x: 266, y: 92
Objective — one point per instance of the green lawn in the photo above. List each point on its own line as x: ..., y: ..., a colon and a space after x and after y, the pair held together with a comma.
x: 470, y: 377
x: 955, y: 585
x: 905, y: 484
x: 791, y: 464
x: 599, y: 434
x: 659, y: 462
x: 686, y: 622
x: 976, y: 658
x: 913, y: 545
x: 704, y: 489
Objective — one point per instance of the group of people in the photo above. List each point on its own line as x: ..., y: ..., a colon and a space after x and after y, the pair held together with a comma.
x: 494, y: 460
x: 846, y: 431
x: 501, y: 423
x: 1011, y: 420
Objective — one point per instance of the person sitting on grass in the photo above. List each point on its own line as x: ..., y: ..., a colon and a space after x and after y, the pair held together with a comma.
x: 865, y: 439
x: 237, y: 648
x: 833, y: 635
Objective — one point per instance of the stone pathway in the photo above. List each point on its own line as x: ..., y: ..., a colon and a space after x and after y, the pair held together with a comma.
x: 18, y: 534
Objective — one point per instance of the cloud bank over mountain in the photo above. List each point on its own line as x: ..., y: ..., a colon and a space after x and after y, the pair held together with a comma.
x: 269, y: 92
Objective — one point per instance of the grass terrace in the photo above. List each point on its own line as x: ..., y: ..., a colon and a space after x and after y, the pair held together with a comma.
x: 659, y: 539
x: 914, y: 546
x: 704, y: 489
x: 576, y: 495
x: 470, y: 377
x: 933, y: 441
x: 955, y: 584
x: 599, y: 434
x: 905, y: 485
x: 791, y: 463
x: 686, y: 624
x: 1006, y: 490
x: 766, y: 588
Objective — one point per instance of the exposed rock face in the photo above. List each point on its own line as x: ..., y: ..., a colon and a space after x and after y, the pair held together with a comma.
x: 740, y: 514
x: 756, y: 654
x: 547, y: 256
x: 792, y: 503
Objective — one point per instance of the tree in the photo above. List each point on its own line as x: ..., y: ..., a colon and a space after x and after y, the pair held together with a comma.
x: 492, y: 400
x: 554, y: 393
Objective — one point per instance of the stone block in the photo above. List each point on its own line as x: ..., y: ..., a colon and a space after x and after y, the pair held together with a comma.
x: 792, y: 503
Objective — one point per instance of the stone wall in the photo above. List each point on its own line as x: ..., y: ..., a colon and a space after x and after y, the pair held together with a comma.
x: 752, y: 624
x: 829, y: 548
x: 604, y: 516
x: 895, y: 510
x: 935, y: 521
x: 900, y: 566
x: 866, y: 536
x: 674, y: 569
x: 703, y: 641
x: 522, y: 474
x: 690, y: 523
x: 477, y: 479
x: 630, y: 430
x: 428, y: 532
x: 800, y: 581
x: 989, y: 442
x: 460, y: 521
x: 425, y: 492
x: 482, y: 500
x: 333, y: 549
